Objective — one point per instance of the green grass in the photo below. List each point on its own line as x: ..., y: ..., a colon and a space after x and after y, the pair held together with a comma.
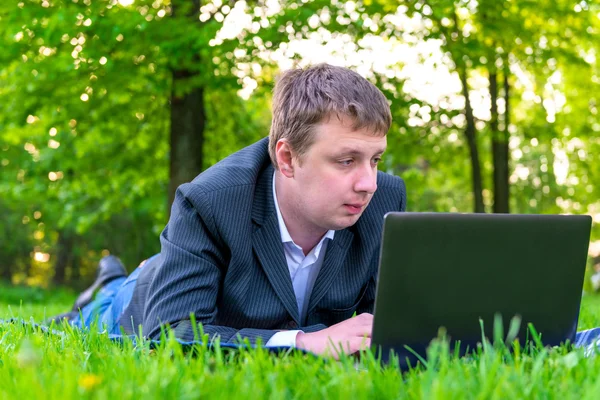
x: 35, y: 365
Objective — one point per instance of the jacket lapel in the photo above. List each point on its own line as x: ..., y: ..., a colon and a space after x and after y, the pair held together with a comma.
x: 335, y: 256
x: 266, y: 241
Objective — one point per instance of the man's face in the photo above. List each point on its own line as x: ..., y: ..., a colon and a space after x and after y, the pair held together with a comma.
x: 334, y: 181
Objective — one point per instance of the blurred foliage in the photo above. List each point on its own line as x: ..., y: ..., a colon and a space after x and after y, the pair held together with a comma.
x: 85, y: 88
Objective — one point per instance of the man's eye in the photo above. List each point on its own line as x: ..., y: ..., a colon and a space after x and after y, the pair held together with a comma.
x: 345, y: 162
x: 376, y: 160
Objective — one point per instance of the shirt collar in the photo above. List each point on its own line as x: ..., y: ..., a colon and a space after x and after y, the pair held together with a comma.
x: 285, y: 234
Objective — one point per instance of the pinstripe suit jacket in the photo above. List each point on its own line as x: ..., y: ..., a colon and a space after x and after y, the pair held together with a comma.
x: 222, y: 259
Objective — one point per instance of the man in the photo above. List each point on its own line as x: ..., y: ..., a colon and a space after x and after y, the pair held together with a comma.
x: 280, y: 241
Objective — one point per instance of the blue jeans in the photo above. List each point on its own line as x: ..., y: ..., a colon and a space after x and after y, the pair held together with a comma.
x: 589, y: 339
x: 114, y: 297
x: 109, y: 303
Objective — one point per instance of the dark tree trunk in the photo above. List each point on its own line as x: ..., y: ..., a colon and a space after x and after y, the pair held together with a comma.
x: 6, y: 270
x: 470, y: 133
x: 8, y: 260
x: 187, y: 136
x: 500, y: 153
x: 499, y: 157
x: 63, y: 257
x: 75, y: 275
x: 188, y: 117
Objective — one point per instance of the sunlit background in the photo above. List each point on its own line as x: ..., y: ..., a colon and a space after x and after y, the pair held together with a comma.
x: 91, y: 96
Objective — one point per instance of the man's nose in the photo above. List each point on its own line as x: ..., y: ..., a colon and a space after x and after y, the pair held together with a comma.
x: 366, y: 180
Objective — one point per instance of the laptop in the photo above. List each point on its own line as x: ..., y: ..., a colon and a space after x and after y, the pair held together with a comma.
x: 459, y: 271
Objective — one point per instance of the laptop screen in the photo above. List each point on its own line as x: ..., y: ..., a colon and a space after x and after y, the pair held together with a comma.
x: 458, y: 271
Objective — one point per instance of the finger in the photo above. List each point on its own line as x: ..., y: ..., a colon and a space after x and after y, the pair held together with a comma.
x: 348, y: 345
x: 359, y: 330
x: 356, y: 344
x: 360, y: 320
x: 366, y: 343
x: 364, y: 319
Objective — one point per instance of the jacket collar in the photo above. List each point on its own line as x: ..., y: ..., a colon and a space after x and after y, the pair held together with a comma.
x: 266, y: 241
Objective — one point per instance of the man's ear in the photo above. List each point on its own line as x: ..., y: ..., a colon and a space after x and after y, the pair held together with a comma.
x: 285, y: 158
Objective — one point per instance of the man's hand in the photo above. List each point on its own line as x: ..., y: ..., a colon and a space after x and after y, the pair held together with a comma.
x: 348, y: 336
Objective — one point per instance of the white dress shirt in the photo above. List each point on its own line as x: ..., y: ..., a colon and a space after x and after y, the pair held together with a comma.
x: 303, y: 272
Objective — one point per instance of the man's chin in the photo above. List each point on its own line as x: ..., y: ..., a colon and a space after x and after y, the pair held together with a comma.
x: 346, y: 222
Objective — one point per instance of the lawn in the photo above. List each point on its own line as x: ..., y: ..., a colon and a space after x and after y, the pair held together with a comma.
x: 76, y: 365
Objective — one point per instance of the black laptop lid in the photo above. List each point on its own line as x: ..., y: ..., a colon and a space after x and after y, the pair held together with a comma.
x: 451, y: 270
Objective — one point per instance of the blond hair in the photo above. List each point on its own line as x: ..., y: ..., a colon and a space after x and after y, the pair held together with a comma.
x: 303, y: 98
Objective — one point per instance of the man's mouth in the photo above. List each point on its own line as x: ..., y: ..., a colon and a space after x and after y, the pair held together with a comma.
x: 355, y: 208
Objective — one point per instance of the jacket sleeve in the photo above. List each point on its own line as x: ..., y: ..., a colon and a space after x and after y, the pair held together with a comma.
x: 188, y: 281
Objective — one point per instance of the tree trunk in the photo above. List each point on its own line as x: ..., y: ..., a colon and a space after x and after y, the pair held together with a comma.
x: 500, y: 154
x: 188, y: 118
x: 6, y: 270
x: 9, y: 259
x: 63, y: 257
x: 75, y: 275
x: 470, y: 133
x: 499, y: 157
